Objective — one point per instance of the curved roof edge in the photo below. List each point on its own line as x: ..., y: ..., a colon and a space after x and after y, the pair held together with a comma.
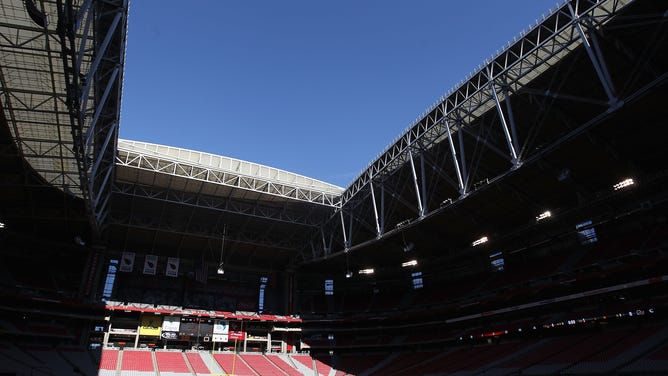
x: 228, y: 164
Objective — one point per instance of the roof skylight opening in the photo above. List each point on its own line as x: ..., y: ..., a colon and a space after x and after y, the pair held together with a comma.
x: 409, y: 263
x: 482, y: 240
x: 623, y: 184
x: 544, y: 215
x: 366, y: 271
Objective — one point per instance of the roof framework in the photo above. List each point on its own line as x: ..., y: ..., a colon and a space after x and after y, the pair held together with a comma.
x: 472, y: 137
x: 270, y: 182
x: 61, y: 65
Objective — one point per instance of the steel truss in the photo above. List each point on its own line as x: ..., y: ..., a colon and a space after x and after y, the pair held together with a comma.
x: 223, y: 204
x: 228, y: 177
x: 535, y: 52
x: 61, y: 67
x: 479, y: 108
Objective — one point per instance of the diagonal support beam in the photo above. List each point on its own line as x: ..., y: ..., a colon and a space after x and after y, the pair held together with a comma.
x: 596, y: 58
x: 343, y: 230
x: 375, y: 209
x: 460, y: 181
x: 417, y: 185
x: 504, y: 124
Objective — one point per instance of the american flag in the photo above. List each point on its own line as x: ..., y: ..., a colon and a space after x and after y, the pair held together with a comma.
x: 201, y: 271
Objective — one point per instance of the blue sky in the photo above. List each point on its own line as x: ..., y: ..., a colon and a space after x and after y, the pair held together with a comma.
x: 315, y: 87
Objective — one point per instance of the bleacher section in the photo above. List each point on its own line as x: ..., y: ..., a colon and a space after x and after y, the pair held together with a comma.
x: 234, y: 364
x: 283, y: 363
x: 261, y: 365
x: 198, y: 364
x: 137, y: 363
x: 171, y: 363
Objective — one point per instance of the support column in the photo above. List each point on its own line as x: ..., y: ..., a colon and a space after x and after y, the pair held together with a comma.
x: 460, y: 181
x: 343, y: 230
x: 596, y: 58
x: 504, y: 125
x: 511, y: 120
x: 423, y: 178
x: 417, y: 187
x: 375, y: 209
x: 382, y: 207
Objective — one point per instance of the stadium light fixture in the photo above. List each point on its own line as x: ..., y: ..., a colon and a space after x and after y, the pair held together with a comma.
x: 544, y: 215
x: 366, y: 271
x: 409, y: 263
x: 480, y: 241
x: 623, y: 184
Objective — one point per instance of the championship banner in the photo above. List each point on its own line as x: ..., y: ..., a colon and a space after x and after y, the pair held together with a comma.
x: 172, y: 269
x: 127, y: 262
x: 150, y: 264
x: 150, y: 325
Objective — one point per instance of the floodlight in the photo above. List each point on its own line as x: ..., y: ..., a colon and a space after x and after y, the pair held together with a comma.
x: 349, y: 274
x: 543, y: 215
x: 366, y: 271
x: 2, y: 225
x: 403, y: 223
x: 480, y: 241
x: 220, y: 269
x: 409, y: 263
x: 623, y: 184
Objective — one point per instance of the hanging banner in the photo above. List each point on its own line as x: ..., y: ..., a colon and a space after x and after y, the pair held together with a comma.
x: 127, y: 262
x: 150, y: 264
x: 150, y: 325
x: 172, y: 269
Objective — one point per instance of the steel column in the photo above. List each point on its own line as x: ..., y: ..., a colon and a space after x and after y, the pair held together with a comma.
x: 415, y: 181
x: 462, y: 160
x: 98, y: 57
x: 382, y: 207
x: 504, y: 125
x: 91, y: 128
x: 343, y: 230
x: 462, y: 189
x: 511, y: 120
x: 375, y: 209
x: 425, y: 199
x: 599, y: 65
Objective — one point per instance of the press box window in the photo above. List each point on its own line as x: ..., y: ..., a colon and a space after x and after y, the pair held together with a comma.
x: 329, y: 287
x: 586, y: 233
x: 497, y: 261
x: 417, y: 280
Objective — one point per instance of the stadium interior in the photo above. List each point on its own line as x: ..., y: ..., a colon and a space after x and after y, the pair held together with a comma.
x: 518, y: 227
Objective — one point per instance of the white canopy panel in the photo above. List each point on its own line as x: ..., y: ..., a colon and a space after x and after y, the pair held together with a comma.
x: 226, y: 171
